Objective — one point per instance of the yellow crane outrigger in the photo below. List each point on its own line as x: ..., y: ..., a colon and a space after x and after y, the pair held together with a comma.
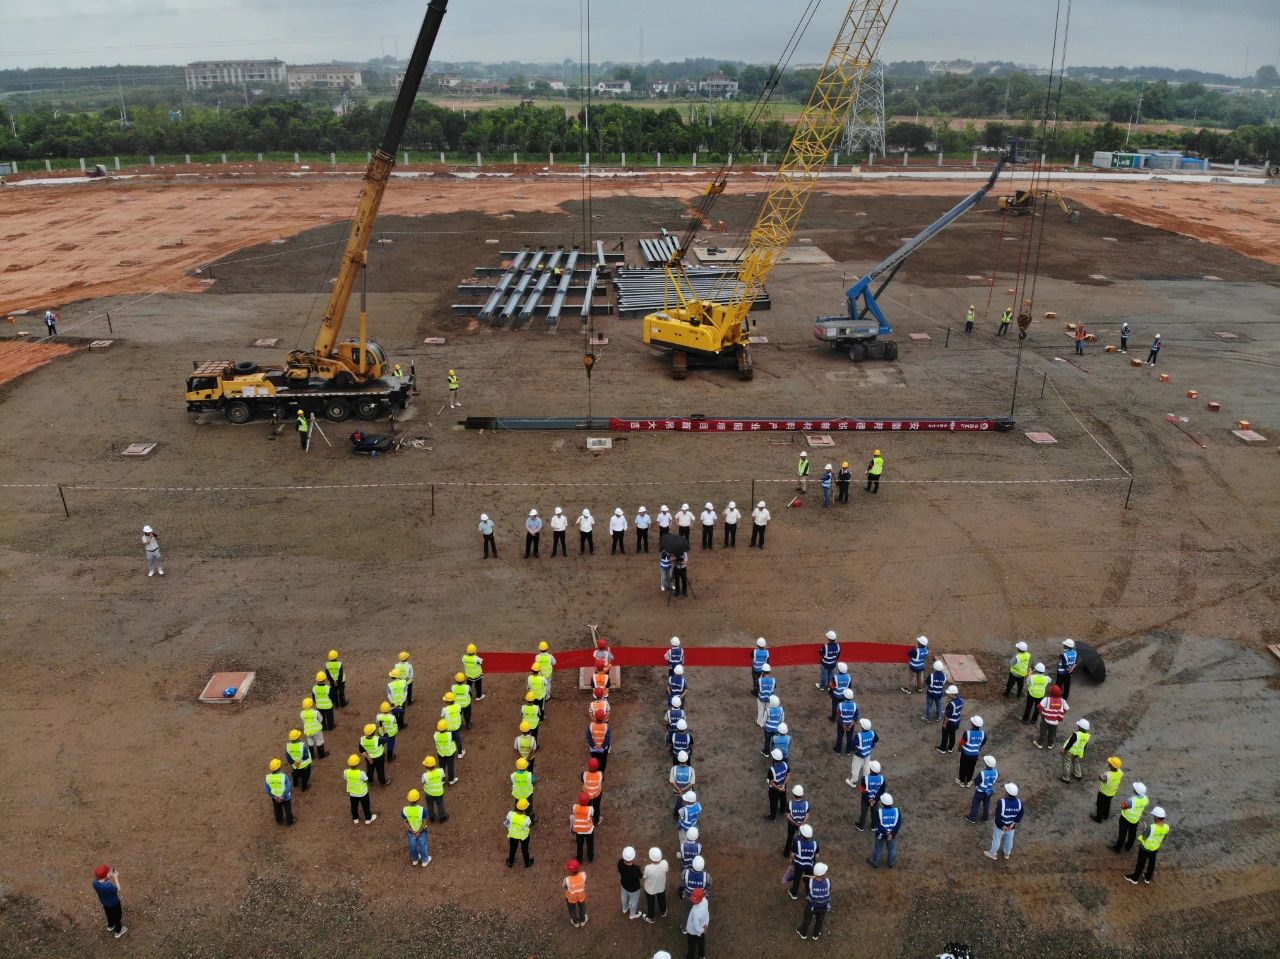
x: 708, y: 330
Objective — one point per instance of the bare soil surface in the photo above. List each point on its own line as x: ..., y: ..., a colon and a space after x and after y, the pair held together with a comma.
x: 273, y: 557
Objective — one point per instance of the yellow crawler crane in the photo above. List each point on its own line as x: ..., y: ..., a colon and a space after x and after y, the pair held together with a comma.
x: 717, y: 332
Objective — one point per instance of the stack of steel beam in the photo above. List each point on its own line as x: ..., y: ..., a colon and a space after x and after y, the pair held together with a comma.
x: 660, y: 251
x: 642, y: 291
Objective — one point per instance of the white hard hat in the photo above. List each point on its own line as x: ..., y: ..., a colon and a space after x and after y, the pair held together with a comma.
x: 661, y: 954
x: 629, y: 853
x: 675, y: 640
x: 1157, y: 336
x: 558, y: 511
x: 677, y: 702
x: 831, y: 634
x: 533, y: 512
x: 990, y: 761
x: 807, y: 831
x: 937, y: 664
x: 977, y: 721
x: 684, y: 506
x: 483, y: 517
x: 820, y: 869
x: 761, y: 642
x: 1011, y: 788
x: 663, y: 508
x: 617, y: 511
x: 827, y: 467
x: 797, y: 790
x: 804, y: 453
x: 655, y: 854
x: 698, y: 864
x: 147, y: 529
x: 708, y: 506
x: 783, y: 729
x: 1158, y: 812
x: 1069, y: 643
x: 766, y: 668
x: 1140, y: 789
x: 842, y: 667
x: 690, y: 796
x: 886, y: 799
x: 586, y: 512
x: 775, y: 701
x: 1083, y: 724
x: 732, y: 505
x: 692, y: 833
x: 776, y: 755
x: 682, y: 725
x: 922, y: 640
x: 641, y: 509
x: 848, y: 693
x: 864, y: 722
x: 760, y: 505
x: 953, y: 690
x: 1039, y: 667
x: 679, y: 670
x: 1020, y: 647
x: 875, y: 765
x: 682, y: 756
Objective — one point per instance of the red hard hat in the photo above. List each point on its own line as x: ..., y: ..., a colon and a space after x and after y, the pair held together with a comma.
x: 572, y: 865
x: 601, y: 644
x: 593, y: 764
x: 598, y: 693
x: 102, y: 871
x: 1055, y: 690
x: 583, y: 799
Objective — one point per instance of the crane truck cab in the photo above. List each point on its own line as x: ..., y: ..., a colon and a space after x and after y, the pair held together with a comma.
x: 344, y: 366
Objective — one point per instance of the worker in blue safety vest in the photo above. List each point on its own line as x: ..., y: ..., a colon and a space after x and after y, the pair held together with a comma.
x: 828, y: 656
x: 817, y: 902
x: 846, y: 723
x: 759, y: 656
x: 1066, y: 666
x: 1009, y: 812
x: 888, y: 824
x: 675, y: 712
x: 676, y: 683
x: 872, y: 785
x: 778, y: 779
x: 690, y: 849
x: 983, y: 790
x: 690, y: 813
x: 675, y: 655
x: 682, y: 739
x: 970, y: 748
x: 804, y: 853
x: 935, y: 684
x: 951, y: 715
x: 916, y: 660
x: 840, y: 681
x: 681, y: 778
x: 781, y: 741
x: 797, y: 816
x: 864, y: 742
x: 827, y: 481
x: 765, y: 687
x: 773, y: 718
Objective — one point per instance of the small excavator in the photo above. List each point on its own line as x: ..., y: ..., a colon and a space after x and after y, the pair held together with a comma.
x: 1022, y: 202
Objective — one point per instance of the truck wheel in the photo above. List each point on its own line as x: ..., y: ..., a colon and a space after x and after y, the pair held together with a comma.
x: 244, y: 367
x: 368, y: 409
x: 891, y: 351
x: 858, y: 352
x: 337, y: 410
x: 238, y: 412
x: 679, y: 365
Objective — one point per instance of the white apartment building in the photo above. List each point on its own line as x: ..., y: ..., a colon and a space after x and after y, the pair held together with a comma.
x: 208, y: 74
x: 324, y: 77
x: 718, y: 86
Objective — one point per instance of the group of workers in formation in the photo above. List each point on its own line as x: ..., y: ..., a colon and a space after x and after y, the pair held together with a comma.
x: 1046, y: 705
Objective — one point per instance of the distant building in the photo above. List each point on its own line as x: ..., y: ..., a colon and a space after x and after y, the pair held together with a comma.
x: 538, y: 82
x: 725, y: 88
x: 206, y: 75
x: 961, y: 67
x: 322, y: 77
x: 487, y: 86
x: 613, y: 88
x: 448, y: 81
x: 658, y: 87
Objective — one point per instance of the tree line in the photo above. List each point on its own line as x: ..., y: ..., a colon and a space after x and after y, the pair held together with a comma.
x: 612, y: 128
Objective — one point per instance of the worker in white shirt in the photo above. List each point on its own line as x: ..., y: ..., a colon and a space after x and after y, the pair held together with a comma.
x: 731, y: 516
x: 618, y: 527
x: 643, y: 522
x: 559, y: 523
x: 708, y: 519
x: 664, y: 520
x: 586, y: 523
x: 759, y: 521
x: 684, y: 521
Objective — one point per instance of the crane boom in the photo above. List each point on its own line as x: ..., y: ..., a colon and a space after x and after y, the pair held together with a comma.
x: 365, y: 363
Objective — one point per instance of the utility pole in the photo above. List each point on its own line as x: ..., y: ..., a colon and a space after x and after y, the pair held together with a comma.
x: 1137, y: 117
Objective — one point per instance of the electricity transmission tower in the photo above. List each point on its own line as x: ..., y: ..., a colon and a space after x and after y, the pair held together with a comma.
x: 865, y: 129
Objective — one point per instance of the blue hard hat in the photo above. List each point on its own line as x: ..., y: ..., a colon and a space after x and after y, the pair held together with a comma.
x: 229, y: 692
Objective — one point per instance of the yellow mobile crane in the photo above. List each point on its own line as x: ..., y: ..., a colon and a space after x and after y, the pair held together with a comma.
x: 713, y: 331
x: 334, y: 378
x: 1022, y: 202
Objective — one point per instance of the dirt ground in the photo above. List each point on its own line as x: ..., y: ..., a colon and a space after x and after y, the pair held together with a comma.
x: 274, y: 556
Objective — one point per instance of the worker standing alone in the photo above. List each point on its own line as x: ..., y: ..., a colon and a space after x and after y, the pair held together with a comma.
x: 454, y: 393
x: 875, y: 469
x: 970, y: 315
x: 802, y: 472
x: 1155, y: 351
x: 304, y: 429
x: 1006, y: 318
x: 1079, y: 337
x: 151, y: 546
x: 1125, y: 332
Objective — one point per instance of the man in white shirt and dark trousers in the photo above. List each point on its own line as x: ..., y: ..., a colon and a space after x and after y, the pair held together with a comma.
x: 759, y: 522
x: 618, y: 527
x: 684, y: 521
x: 664, y: 520
x: 731, y: 517
x: 532, y: 533
x: 586, y: 523
x: 708, y: 519
x: 643, y: 522
x: 559, y: 523
x: 151, y: 544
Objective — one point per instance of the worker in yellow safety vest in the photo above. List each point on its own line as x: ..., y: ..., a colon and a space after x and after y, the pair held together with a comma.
x: 522, y: 782
x: 299, y: 754
x: 1073, y: 751
x: 526, y: 745
x: 462, y: 696
x: 1148, y: 846
x: 313, y: 727
x: 1037, y: 686
x: 1019, y: 667
x: 1109, y: 784
x: 398, y: 695
x: 406, y: 673
x: 389, y: 726
x: 473, y: 669
x: 1131, y: 811
x: 337, y: 678
x: 433, y: 786
x: 321, y: 694
x: 280, y: 790
x: 1006, y: 318
x: 970, y: 315
x: 446, y: 749
x: 802, y: 472
x: 536, y: 683
x: 547, y: 663
x: 518, y: 824
x: 453, y: 390
x: 530, y: 715
x: 304, y: 429
x: 357, y: 781
x: 874, y: 471
x: 415, y: 818
x: 451, y: 713
x: 373, y: 747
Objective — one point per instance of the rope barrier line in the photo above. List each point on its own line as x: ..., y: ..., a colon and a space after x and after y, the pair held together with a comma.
x: 1127, y: 474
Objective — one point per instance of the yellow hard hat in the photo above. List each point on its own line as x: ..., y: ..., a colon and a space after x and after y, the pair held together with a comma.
x: 353, y: 760
x: 385, y: 707
x: 543, y: 647
x: 442, y: 725
x: 525, y: 727
x: 535, y: 668
x: 459, y: 678
x: 395, y: 673
x: 453, y: 373
x: 413, y: 796
x: 1114, y: 762
x: 369, y: 729
x: 275, y: 765
x: 876, y: 453
x: 294, y: 735
x: 449, y: 697
x: 429, y: 762
x: 471, y: 648
x: 522, y: 804
x: 308, y: 703
x: 320, y: 677
x: 522, y: 763
x: 404, y: 656
x: 844, y: 465
x: 333, y: 654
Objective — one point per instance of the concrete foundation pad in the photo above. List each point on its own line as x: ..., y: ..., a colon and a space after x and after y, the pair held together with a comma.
x: 1043, y: 438
x: 963, y: 669
x: 1249, y: 436
x: 220, y: 682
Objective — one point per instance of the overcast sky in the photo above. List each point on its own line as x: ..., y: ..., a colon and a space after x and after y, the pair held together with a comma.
x: 1229, y: 36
